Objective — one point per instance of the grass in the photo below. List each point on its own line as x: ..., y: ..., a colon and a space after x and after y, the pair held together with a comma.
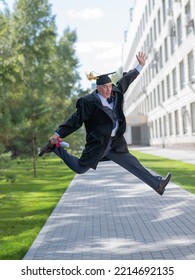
x: 183, y: 174
x: 26, y: 203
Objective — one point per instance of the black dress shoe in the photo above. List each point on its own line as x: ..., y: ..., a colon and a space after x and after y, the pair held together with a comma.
x: 163, y: 184
x: 48, y: 148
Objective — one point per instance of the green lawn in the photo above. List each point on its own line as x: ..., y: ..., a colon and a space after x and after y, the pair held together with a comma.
x: 183, y: 174
x: 26, y: 203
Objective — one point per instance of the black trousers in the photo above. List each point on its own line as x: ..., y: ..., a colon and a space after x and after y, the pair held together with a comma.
x: 126, y: 160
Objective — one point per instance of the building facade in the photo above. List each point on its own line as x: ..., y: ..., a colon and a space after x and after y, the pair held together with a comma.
x: 160, y: 104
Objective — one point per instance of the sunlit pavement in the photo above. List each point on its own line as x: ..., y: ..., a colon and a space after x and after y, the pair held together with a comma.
x: 185, y: 155
x: 110, y: 214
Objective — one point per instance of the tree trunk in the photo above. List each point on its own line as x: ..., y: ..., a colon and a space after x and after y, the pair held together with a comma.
x: 34, y: 157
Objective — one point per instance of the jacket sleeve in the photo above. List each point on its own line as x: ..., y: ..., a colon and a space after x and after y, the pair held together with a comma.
x: 126, y: 80
x: 83, y: 112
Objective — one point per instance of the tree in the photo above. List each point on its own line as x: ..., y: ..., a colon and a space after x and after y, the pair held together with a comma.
x: 39, y: 78
x: 8, y: 74
x: 34, y: 40
x: 64, y: 78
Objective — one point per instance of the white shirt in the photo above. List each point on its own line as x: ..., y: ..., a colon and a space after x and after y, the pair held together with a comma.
x: 109, y: 105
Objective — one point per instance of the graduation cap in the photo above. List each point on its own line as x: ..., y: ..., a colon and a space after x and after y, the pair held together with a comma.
x: 100, y: 79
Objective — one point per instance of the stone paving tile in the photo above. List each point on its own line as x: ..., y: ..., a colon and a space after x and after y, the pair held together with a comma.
x: 109, y: 214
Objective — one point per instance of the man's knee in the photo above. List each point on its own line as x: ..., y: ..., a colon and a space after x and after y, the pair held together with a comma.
x: 82, y: 169
x: 80, y: 172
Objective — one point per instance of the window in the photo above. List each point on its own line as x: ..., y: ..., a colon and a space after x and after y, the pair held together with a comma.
x: 143, y: 22
x: 164, y: 10
x: 160, y: 58
x: 185, y: 120
x: 174, y: 81
x: 149, y: 72
x: 151, y: 38
x: 176, y: 122
x: 156, y: 128
x: 181, y: 74
x: 193, y: 116
x: 148, y: 43
x: 154, y: 97
x: 151, y: 101
x: 188, y: 20
x: 159, y: 22
x: 158, y: 94
x: 149, y: 6
x: 145, y: 50
x: 163, y: 90
x: 168, y: 86
x: 160, y: 126
x: 154, y: 24
x: 148, y: 104
x: 152, y: 129
x: 179, y: 30
x: 170, y: 124
x: 152, y: 65
x: 147, y: 77
x: 165, y: 125
x: 173, y: 43
x: 191, y: 72
x: 146, y: 13
x: 166, y: 49
x: 170, y: 3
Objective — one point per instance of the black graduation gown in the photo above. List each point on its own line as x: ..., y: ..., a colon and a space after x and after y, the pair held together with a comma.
x: 98, y: 123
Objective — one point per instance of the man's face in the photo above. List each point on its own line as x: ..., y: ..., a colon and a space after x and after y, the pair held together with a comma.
x: 105, y: 90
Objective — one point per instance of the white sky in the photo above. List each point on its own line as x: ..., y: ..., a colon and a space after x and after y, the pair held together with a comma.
x: 100, y: 26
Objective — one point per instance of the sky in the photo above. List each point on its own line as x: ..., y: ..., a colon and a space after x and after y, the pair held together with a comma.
x: 100, y: 27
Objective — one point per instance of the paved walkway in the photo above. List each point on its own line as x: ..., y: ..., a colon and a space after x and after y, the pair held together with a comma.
x: 182, y: 155
x: 110, y: 214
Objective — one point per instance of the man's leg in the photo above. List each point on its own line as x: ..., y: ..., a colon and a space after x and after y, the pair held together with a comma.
x: 131, y: 163
x: 71, y: 161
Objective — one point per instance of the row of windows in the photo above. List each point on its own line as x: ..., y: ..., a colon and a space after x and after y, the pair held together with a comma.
x: 175, y: 30
x: 175, y: 26
x: 180, y: 122
x: 174, y: 82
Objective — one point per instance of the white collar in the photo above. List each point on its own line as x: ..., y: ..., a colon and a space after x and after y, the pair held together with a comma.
x: 105, y: 102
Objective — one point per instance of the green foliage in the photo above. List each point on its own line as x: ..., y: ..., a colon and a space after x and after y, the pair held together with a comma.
x: 38, y: 77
